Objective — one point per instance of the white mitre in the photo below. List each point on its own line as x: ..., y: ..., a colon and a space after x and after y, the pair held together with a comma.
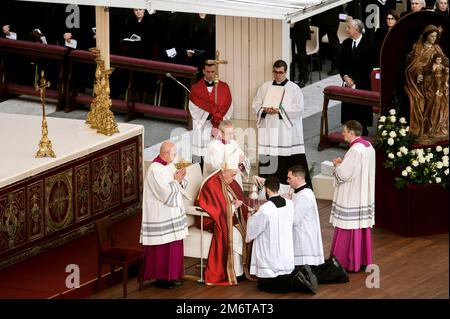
x: 231, y: 157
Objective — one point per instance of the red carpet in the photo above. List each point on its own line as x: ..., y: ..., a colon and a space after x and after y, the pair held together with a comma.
x: 44, y: 276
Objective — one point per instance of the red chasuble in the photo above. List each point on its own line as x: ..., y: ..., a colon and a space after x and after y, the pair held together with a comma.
x: 205, y: 100
x: 213, y: 198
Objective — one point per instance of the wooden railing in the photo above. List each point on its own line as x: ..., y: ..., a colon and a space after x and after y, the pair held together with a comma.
x: 17, y: 50
x: 66, y: 93
x: 343, y: 94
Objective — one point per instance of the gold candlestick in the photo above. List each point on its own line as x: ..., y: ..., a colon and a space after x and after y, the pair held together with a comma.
x: 100, y: 116
x: 45, y: 145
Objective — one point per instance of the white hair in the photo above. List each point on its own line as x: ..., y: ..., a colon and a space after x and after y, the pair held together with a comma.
x: 357, y: 24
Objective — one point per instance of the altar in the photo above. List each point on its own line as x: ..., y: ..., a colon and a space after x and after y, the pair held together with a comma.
x: 46, y: 202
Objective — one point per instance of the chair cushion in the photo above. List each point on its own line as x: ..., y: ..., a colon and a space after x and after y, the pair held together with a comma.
x: 122, y: 254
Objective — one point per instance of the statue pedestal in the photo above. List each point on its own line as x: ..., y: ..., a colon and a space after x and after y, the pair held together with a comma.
x: 412, y: 211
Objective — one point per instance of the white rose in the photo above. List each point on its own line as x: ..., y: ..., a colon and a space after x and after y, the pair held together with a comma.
x: 404, y: 150
x: 446, y: 172
x: 438, y: 180
x: 415, y: 163
x: 399, y: 154
x: 408, y: 169
x: 402, y: 120
x: 393, y: 119
x: 402, y: 132
x: 439, y: 165
x: 392, y: 134
x: 421, y: 160
x: 380, y: 126
x: 382, y: 119
x: 404, y: 173
x: 392, y: 111
x: 390, y: 141
x: 407, y: 129
x: 384, y: 133
x: 445, y: 158
x: 391, y: 156
x: 445, y: 163
x: 438, y: 148
x: 446, y: 151
x: 430, y: 155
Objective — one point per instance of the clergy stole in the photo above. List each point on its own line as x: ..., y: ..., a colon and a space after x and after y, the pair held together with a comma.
x: 201, y: 97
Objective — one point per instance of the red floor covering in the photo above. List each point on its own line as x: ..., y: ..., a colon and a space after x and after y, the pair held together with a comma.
x: 44, y: 276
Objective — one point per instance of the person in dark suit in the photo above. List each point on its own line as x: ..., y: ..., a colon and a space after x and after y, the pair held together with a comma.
x: 300, y: 33
x: 355, y: 66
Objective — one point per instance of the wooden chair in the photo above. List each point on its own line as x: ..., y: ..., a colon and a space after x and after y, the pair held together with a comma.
x: 110, y: 254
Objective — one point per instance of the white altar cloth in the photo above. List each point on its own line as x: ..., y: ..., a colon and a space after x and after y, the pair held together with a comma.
x: 71, y: 139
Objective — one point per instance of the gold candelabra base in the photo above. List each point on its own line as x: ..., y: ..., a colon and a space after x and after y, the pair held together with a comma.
x: 45, y: 145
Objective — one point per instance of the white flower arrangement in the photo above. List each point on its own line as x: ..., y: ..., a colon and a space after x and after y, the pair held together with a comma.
x: 417, y: 166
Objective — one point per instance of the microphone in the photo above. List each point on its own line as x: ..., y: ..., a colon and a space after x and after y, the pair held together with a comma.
x: 168, y: 75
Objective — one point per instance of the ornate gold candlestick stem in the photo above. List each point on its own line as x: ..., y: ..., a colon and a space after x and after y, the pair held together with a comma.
x: 45, y: 145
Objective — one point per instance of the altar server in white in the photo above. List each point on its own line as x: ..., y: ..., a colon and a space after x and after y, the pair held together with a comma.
x: 270, y: 228
x: 280, y: 127
x: 164, y: 223
x: 225, y: 144
x: 307, y: 235
x: 353, y: 208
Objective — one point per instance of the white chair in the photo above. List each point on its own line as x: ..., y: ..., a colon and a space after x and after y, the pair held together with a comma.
x: 341, y: 33
x: 312, y: 50
x: 197, y: 243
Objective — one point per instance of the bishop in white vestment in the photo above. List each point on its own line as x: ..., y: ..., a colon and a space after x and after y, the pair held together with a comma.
x: 353, y: 208
x: 164, y: 224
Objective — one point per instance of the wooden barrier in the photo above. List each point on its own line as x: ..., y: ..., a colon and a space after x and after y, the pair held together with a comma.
x: 133, y: 65
x: 11, y: 49
x: 343, y: 94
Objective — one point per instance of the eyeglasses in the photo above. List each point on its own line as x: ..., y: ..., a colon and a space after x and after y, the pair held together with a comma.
x: 278, y: 72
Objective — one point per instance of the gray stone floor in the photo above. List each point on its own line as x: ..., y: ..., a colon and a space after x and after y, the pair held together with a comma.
x: 158, y: 130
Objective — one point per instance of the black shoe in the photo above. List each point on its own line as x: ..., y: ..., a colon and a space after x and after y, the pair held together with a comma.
x: 165, y: 284
x: 177, y: 282
x: 333, y: 72
x: 306, y: 279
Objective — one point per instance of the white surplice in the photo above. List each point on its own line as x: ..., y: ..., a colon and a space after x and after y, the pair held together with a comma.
x: 307, y: 235
x: 202, y: 127
x: 354, y: 194
x: 270, y: 228
x: 280, y: 137
x: 163, y: 213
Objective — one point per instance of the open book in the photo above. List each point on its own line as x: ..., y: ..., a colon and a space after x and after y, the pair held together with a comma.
x: 133, y: 38
x: 274, y: 96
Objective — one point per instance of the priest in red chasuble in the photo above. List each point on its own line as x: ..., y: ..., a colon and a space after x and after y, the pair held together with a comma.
x: 222, y: 198
x: 206, y: 113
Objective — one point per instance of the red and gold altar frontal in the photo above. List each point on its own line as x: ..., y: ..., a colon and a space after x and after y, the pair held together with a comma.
x: 46, y: 202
